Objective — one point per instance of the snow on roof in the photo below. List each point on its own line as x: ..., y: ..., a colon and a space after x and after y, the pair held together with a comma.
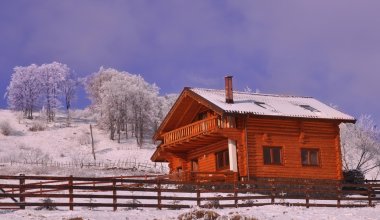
x: 272, y: 105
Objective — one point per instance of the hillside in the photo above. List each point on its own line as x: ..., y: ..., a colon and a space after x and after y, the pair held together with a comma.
x: 62, y: 150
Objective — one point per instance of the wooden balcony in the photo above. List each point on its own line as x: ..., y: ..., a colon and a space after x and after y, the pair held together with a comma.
x: 201, y: 127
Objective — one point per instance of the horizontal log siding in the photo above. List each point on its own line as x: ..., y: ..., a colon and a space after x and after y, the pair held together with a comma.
x: 174, y: 163
x: 206, y: 155
x: 292, y: 135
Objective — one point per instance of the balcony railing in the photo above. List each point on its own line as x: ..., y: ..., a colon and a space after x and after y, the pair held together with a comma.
x: 198, y: 128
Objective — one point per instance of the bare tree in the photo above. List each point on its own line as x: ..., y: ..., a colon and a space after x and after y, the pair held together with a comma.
x: 361, y: 145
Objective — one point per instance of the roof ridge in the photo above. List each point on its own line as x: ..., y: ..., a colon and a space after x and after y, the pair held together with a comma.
x: 253, y: 93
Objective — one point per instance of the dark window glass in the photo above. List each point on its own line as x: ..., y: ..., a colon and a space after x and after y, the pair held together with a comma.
x: 304, y: 157
x: 310, y: 157
x: 267, y: 159
x: 308, y: 107
x: 226, y: 158
x: 276, y: 152
x: 222, y: 159
x: 201, y: 116
x: 272, y: 155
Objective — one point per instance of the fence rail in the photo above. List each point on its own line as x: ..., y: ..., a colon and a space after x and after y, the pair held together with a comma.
x: 159, y: 192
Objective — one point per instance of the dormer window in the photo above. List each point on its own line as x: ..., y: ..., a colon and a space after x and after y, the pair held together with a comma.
x: 265, y: 106
x: 308, y: 107
x: 261, y: 104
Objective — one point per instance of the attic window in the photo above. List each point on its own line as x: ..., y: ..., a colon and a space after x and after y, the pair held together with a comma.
x: 261, y: 104
x: 308, y: 107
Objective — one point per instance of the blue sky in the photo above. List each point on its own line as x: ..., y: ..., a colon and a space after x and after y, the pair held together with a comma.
x: 326, y: 49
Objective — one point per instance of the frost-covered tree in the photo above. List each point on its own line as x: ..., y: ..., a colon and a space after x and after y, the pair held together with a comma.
x: 34, y: 85
x: 124, y: 102
x: 52, y: 76
x: 24, y: 89
x: 94, y: 83
x: 163, y: 106
x: 361, y: 145
x: 69, y: 87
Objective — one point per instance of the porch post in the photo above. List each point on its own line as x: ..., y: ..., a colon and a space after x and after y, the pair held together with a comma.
x: 232, y: 155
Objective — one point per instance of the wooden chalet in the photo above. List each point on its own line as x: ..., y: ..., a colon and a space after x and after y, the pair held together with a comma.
x: 250, y: 135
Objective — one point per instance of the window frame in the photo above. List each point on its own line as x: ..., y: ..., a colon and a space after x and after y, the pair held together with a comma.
x: 309, y: 150
x: 226, y: 160
x: 194, y: 161
x: 272, y: 157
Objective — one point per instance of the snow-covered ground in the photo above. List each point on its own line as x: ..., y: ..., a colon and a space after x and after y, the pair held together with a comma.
x: 273, y: 212
x: 65, y: 146
x: 61, y: 144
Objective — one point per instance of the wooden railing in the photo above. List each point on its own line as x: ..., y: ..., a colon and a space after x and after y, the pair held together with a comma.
x: 223, y: 176
x: 191, y: 130
x: 162, y: 193
x: 198, y: 128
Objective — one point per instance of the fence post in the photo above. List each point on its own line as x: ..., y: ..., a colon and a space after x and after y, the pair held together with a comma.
x: 339, y: 196
x: 198, y: 194
x: 71, y: 190
x: 307, y: 195
x: 369, y: 189
x: 114, y: 194
x: 22, y: 190
x: 236, y: 193
x: 158, y: 194
x: 273, y: 193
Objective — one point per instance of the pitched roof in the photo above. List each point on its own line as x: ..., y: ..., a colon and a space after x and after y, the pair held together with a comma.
x: 272, y: 105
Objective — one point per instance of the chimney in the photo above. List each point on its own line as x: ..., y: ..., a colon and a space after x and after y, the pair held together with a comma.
x: 228, y: 88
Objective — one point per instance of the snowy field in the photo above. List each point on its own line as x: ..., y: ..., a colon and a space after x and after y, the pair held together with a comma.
x: 261, y: 213
x: 68, y: 145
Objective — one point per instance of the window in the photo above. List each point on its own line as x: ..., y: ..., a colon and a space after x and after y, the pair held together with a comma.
x: 222, y: 160
x: 261, y: 104
x: 308, y: 107
x: 272, y: 155
x: 310, y: 157
x: 265, y: 106
x: 201, y: 116
x: 194, y: 165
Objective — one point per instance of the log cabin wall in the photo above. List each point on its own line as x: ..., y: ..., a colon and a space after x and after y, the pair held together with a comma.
x: 292, y: 135
x: 206, y: 155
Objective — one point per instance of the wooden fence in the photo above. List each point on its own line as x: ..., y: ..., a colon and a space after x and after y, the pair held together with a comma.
x: 159, y: 192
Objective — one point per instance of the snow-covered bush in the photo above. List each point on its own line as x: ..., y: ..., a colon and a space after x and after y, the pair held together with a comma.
x: 47, y: 205
x: 37, y: 125
x: 212, y: 203
x: 84, y: 137
x: 199, y: 214
x: 81, y: 156
x: 82, y: 114
x: 5, y: 128
x: 33, y: 155
x: 353, y: 177
x: 134, y: 204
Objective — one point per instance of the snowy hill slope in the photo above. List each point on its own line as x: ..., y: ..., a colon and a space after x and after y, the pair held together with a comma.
x: 65, y: 145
